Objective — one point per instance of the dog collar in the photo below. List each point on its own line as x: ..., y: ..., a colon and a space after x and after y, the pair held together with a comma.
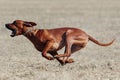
x: 29, y: 30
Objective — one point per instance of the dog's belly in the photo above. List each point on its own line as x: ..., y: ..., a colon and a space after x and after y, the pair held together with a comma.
x: 55, y: 47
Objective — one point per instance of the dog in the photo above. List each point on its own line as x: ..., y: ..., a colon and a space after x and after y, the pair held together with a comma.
x: 52, y: 40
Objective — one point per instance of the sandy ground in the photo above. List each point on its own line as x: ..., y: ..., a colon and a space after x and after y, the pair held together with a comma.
x: 19, y: 60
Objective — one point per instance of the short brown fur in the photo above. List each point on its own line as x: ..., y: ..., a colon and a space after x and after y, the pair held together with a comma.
x: 52, y: 40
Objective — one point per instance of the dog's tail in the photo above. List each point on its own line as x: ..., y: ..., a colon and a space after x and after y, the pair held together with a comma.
x: 99, y: 43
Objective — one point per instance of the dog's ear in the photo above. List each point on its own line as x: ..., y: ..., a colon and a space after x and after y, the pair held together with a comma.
x: 29, y: 24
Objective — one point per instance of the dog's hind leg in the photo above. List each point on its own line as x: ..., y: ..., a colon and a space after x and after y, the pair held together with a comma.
x: 68, y: 45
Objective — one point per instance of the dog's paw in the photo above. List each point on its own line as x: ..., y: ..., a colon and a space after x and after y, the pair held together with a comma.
x: 50, y: 58
x: 56, y: 56
x: 70, y: 60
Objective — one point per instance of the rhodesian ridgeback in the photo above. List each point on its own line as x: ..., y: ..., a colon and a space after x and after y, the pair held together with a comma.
x: 52, y: 40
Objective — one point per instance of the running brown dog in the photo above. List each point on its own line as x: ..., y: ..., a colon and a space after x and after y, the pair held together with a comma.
x: 52, y: 40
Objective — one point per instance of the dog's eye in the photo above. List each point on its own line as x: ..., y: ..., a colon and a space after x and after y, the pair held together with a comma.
x: 14, y: 22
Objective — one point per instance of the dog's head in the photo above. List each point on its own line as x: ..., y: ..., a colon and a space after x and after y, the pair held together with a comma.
x: 18, y: 27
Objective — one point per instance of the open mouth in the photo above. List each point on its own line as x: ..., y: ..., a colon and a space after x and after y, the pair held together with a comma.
x: 13, y: 31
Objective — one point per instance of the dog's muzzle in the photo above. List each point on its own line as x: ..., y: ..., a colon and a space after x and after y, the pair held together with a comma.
x: 13, y: 30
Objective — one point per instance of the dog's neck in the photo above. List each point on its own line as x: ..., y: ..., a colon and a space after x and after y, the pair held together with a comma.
x: 30, y: 32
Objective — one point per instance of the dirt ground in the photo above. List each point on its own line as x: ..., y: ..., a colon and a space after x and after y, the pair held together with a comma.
x: 19, y: 60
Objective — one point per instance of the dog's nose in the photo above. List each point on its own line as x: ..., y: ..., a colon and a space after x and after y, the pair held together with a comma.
x: 6, y: 25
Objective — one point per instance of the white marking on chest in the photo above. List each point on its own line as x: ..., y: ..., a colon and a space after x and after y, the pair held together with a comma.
x: 55, y: 45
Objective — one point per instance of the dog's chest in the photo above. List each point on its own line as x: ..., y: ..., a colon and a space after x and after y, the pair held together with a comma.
x: 55, y: 46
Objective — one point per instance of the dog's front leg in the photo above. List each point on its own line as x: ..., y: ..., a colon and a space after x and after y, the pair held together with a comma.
x: 47, y: 47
